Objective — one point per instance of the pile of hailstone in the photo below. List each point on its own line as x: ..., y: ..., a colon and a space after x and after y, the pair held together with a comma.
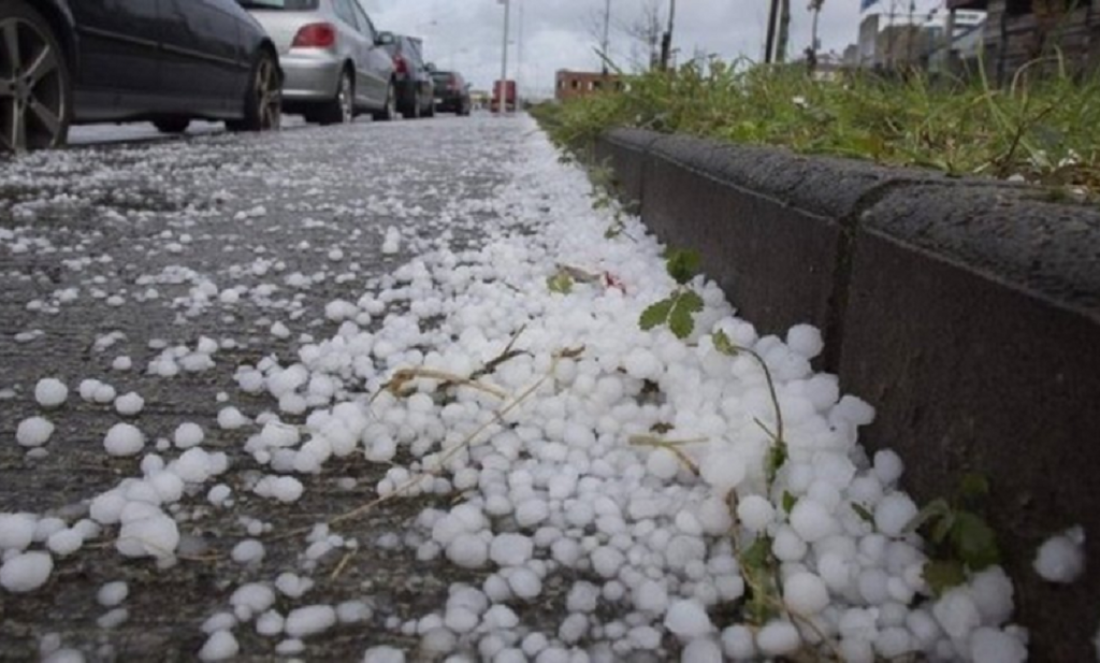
x: 556, y: 484
x: 626, y: 465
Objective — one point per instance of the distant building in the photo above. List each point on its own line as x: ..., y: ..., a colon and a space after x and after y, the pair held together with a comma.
x: 480, y: 98
x: 1021, y: 31
x: 904, y: 40
x: 570, y: 84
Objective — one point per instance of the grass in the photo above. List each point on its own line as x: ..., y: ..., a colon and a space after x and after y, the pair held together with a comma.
x: 1045, y: 126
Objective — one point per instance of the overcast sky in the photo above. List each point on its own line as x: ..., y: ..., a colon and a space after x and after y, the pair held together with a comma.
x: 557, y: 34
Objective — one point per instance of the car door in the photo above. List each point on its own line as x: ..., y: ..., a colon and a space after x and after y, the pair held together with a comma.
x: 119, y: 53
x: 203, y: 63
x: 379, y: 64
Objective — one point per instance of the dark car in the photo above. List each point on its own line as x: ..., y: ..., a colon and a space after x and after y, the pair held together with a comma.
x: 452, y: 93
x: 65, y: 62
x: 414, y: 79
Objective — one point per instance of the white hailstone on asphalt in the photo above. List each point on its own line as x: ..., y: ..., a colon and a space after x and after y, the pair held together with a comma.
x: 152, y: 535
x: 16, y: 530
x: 651, y: 596
x: 25, y: 572
x: 249, y: 551
x: 991, y: 645
x: 310, y: 620
x: 230, y: 418
x: 893, y: 513
x: 383, y: 654
x: 812, y: 521
x: 220, y: 646
x: 1061, y: 558
x: 188, y: 435
x: 124, y: 440
x: 65, y: 542
x: 64, y: 656
x: 724, y: 469
x: 279, y: 330
x: 113, y: 618
x: 738, y: 643
x: 122, y: 363
x: 755, y: 512
x: 251, y: 599
x: 663, y: 464
x: 702, y: 650
x: 392, y: 242
x: 283, y: 489
x: 33, y: 432
x: 805, y: 594
x: 129, y: 404
x: 778, y: 638
x: 687, y: 619
x: 888, y: 466
x: 112, y: 594
x: 292, y: 585
x: 511, y: 549
x: 524, y: 583
x: 51, y: 392
x: 956, y: 613
x: 805, y: 340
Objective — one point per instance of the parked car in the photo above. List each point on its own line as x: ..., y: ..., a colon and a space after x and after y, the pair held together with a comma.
x: 411, y: 75
x: 452, y: 92
x: 66, y: 62
x: 332, y: 56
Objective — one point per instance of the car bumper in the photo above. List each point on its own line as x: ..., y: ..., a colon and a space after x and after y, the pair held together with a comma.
x: 309, y: 77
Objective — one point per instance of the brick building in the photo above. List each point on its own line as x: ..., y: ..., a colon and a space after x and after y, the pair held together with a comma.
x: 572, y: 84
x: 1020, y: 31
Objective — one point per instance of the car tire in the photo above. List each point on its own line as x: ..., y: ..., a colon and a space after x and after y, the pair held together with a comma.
x: 389, y: 111
x: 341, y: 110
x: 431, y: 110
x: 263, y: 104
x: 172, y: 125
x: 34, y: 112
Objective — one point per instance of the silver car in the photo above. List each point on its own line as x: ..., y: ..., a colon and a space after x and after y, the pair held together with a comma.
x: 333, y: 64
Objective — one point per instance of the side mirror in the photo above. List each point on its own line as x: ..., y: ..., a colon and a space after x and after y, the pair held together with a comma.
x: 385, y: 39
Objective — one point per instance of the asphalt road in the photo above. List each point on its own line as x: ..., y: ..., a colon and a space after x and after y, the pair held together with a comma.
x: 113, y: 236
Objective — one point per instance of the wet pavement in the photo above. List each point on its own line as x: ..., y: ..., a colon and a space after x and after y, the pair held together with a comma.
x: 123, y: 248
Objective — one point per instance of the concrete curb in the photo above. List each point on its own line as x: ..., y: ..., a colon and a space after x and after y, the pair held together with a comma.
x: 966, y: 311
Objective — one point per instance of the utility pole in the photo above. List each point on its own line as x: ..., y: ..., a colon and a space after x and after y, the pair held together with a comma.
x: 503, y: 89
x: 606, y: 45
x: 666, y: 39
x: 519, y: 56
x: 769, y: 45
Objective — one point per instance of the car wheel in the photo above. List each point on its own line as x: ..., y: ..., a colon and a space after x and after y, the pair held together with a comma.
x: 172, y: 125
x: 431, y: 109
x: 35, y: 81
x: 263, y: 104
x: 341, y: 110
x: 389, y: 111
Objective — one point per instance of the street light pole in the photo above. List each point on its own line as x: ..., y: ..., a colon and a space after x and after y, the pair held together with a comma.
x: 502, y: 90
x: 606, y: 35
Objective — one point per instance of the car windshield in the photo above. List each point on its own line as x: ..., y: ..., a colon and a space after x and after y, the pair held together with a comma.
x: 280, y: 5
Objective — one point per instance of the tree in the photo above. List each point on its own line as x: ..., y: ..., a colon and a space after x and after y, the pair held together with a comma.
x: 644, y: 34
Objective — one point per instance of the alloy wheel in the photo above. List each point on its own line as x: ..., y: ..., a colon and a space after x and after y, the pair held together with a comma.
x: 32, y: 88
x: 269, y: 95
